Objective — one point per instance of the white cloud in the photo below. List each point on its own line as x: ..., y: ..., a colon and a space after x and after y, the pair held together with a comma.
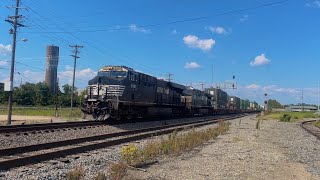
x: 194, y: 42
x: 135, y: 28
x: 174, y: 31
x: 68, y: 67
x: 5, y: 49
x: 253, y: 86
x: 260, y: 61
x: 33, y: 77
x: 218, y: 30
x: 315, y: 4
x: 192, y: 65
x: 3, y: 63
x: 244, y: 18
x: 82, y: 76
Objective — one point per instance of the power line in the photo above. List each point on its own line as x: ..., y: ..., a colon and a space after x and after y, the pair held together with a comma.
x: 174, y: 22
x: 103, y: 52
x: 45, y: 70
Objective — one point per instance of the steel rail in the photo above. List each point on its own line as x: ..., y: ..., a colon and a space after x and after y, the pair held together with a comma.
x: 311, y: 129
x: 120, y: 137
x: 47, y: 126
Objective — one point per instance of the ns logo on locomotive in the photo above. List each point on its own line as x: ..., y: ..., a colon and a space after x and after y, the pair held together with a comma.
x: 119, y: 92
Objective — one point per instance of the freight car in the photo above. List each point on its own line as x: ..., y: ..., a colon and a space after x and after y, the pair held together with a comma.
x: 234, y: 104
x: 119, y: 92
x: 196, y: 101
x: 219, y: 100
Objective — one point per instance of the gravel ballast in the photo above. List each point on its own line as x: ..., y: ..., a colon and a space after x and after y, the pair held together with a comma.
x: 277, y: 151
x: 19, y: 139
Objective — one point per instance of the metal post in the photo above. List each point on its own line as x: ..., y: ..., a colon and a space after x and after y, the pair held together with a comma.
x: 15, y: 24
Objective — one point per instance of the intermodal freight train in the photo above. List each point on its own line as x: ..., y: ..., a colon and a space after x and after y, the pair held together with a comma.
x: 119, y: 92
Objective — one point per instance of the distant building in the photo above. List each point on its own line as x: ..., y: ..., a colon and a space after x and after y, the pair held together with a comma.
x: 52, y: 67
x: 301, y: 108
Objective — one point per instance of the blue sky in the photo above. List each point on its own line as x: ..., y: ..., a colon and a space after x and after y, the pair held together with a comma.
x: 273, y: 49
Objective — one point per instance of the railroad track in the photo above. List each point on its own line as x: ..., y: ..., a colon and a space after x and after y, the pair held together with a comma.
x: 48, y: 126
x: 32, y: 154
x: 312, y: 129
x: 51, y: 127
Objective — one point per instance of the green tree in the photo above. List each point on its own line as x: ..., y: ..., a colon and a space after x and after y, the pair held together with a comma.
x: 3, y: 97
x: 272, y: 103
x: 43, y: 95
x: 65, y: 97
x: 26, y: 95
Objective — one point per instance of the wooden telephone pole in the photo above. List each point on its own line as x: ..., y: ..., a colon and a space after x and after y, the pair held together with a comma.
x: 75, y: 57
x: 14, y: 21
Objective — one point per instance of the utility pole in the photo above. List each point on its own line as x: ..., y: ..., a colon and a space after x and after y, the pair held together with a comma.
x: 14, y: 21
x: 202, y: 84
x: 57, y: 97
x: 75, y: 56
x: 212, y: 75
x: 170, y: 77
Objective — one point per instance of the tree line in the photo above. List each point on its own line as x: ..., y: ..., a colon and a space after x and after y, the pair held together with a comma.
x: 30, y: 94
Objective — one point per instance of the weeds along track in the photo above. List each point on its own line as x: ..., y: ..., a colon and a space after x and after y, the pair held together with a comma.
x: 48, y: 126
x: 21, y: 156
x: 311, y: 128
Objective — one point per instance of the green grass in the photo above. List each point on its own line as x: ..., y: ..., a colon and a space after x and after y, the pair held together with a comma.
x: 63, y: 113
x: 317, y: 124
x: 295, y: 116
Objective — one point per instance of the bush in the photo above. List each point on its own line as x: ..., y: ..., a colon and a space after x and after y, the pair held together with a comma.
x: 285, y: 118
x: 118, y: 171
x: 76, y: 174
x: 101, y: 176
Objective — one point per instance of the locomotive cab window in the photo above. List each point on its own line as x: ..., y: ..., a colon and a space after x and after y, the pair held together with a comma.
x: 104, y: 74
x: 118, y: 73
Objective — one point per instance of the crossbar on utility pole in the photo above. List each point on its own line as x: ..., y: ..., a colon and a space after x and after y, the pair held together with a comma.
x: 75, y: 56
x: 14, y: 21
x: 170, y: 77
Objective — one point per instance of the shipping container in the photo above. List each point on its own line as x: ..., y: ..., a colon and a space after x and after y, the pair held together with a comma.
x: 219, y: 98
x: 234, y: 103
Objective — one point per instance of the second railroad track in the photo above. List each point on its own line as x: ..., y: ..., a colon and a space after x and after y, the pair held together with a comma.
x: 32, y: 154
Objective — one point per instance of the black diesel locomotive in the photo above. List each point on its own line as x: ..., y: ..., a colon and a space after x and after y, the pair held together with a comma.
x: 119, y: 92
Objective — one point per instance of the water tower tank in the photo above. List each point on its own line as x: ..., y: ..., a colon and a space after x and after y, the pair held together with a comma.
x: 52, y: 67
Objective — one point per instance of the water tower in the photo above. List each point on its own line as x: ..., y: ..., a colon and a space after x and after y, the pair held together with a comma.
x: 52, y: 67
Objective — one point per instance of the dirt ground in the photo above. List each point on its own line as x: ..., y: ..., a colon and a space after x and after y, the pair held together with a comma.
x: 277, y: 151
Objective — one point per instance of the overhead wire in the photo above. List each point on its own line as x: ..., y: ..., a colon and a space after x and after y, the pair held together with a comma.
x: 43, y: 70
x: 102, y: 52
x: 177, y: 21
